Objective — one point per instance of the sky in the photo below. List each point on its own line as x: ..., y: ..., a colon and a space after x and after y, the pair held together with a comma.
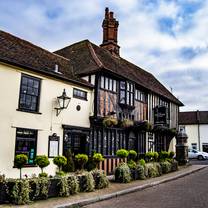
x: 168, y: 38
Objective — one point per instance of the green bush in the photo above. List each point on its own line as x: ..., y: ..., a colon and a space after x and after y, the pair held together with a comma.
x: 171, y: 154
x: 155, y: 156
x: 100, y: 178
x: 166, y: 166
x: 140, y: 172
x: 18, y: 191
x: 97, y: 158
x: 39, y: 188
x: 69, y: 167
x: 63, y: 186
x: 122, y: 153
x: 60, y: 161
x: 151, y: 171
x: 86, y: 182
x: 19, y: 162
x: 122, y: 173
x: 43, y: 175
x: 132, y: 155
x: 131, y: 164
x: 149, y: 156
x: 73, y: 184
x: 81, y: 160
x: 163, y: 155
x: 42, y: 161
x: 60, y: 173
x: 158, y: 168
x: 142, y: 162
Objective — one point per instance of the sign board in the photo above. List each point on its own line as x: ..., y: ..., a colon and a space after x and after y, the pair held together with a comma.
x: 53, y: 146
x: 160, y: 115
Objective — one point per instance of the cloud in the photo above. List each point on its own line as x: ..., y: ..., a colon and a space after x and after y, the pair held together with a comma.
x: 166, y: 37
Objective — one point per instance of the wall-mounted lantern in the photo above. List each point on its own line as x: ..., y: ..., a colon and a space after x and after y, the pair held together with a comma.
x: 63, y: 102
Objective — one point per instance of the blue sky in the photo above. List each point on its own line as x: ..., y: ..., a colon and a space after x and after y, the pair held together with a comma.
x: 168, y: 38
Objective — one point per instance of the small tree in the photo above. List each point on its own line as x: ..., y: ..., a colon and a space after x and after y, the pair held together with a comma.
x: 81, y: 160
x: 122, y: 153
x: 19, y: 162
x: 97, y: 158
x: 156, y: 156
x: 42, y: 161
x: 60, y: 161
x: 132, y: 155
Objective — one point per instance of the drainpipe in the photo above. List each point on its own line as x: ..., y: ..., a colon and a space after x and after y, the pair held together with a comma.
x: 198, y: 124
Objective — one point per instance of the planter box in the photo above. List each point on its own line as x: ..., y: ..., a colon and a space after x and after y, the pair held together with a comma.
x: 54, y: 188
x: 3, y: 194
x: 134, y: 174
x: 174, y: 166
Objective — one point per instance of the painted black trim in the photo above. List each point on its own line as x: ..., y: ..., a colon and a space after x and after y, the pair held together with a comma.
x: 28, y: 111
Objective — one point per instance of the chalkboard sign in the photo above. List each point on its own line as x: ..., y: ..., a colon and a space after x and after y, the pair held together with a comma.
x: 160, y: 115
x: 53, y: 146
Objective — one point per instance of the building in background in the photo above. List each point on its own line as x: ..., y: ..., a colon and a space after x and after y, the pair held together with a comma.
x: 195, y: 123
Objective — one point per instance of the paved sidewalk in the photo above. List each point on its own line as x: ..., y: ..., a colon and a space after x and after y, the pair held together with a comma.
x: 114, y: 190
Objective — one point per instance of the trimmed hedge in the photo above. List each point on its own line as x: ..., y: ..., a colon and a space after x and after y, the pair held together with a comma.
x: 123, y: 173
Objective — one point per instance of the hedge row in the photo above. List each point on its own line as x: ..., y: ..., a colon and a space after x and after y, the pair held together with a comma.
x: 23, y: 191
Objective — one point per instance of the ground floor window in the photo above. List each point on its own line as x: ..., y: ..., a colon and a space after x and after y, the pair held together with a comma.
x: 26, y: 143
x: 194, y: 146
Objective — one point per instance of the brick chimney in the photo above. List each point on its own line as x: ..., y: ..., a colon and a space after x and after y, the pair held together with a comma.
x: 110, y: 33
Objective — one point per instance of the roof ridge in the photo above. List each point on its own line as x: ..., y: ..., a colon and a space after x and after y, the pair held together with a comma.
x: 94, y: 56
x: 32, y: 44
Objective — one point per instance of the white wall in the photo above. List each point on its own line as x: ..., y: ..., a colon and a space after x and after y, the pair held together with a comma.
x: 46, y: 123
x: 203, y: 134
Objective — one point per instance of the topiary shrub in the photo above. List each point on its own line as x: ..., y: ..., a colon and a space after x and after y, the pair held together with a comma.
x: 86, y: 182
x: 60, y: 173
x: 132, y: 155
x: 97, y: 158
x: 166, y: 166
x: 81, y: 160
x: 142, y: 162
x: 122, y: 153
x: 155, y: 156
x: 43, y: 175
x: 163, y: 156
x: 42, y: 161
x: 122, y: 173
x: 19, y: 162
x: 171, y: 154
x: 18, y: 191
x: 69, y: 167
x: 149, y: 156
x: 131, y: 164
x: 60, y: 161
x: 100, y: 178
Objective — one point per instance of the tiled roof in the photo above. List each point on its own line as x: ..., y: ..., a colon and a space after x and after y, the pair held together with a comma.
x: 193, y: 117
x: 18, y: 52
x: 87, y: 58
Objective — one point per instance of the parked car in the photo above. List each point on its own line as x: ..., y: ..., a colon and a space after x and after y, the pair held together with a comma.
x: 195, y: 154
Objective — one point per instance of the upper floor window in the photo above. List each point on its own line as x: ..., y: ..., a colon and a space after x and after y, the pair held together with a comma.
x: 108, y: 84
x: 126, y: 93
x: 140, y: 96
x: 26, y: 143
x: 29, y: 93
x: 77, y: 93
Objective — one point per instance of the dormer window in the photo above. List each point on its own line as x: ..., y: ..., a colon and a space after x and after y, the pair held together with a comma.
x: 126, y: 93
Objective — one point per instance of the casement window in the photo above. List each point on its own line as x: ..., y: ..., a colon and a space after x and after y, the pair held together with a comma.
x: 29, y: 93
x: 140, y: 96
x: 108, y: 84
x: 126, y: 93
x: 80, y: 94
x: 26, y: 143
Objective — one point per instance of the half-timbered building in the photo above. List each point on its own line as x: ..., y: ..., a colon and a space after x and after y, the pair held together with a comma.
x: 124, y: 92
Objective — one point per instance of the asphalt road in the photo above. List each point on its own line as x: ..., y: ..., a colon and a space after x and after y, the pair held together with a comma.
x: 198, y: 162
x: 187, y: 192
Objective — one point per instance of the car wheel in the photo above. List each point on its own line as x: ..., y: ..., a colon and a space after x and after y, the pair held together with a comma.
x: 200, y: 157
